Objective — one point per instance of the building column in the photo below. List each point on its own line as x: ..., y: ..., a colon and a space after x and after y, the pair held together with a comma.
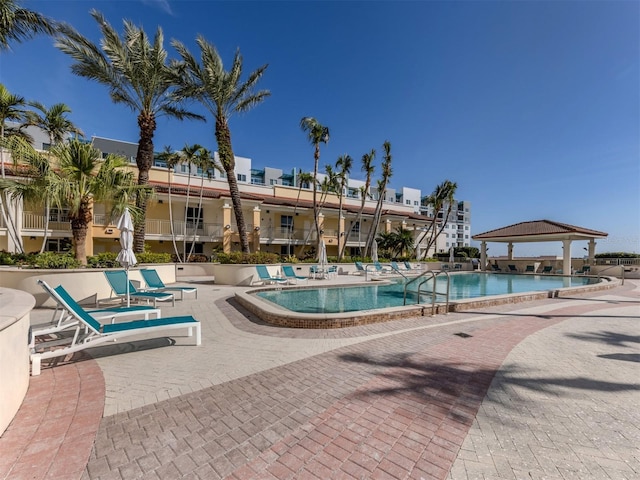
x: 566, y: 257
x: 483, y: 256
x: 88, y: 242
x: 343, y: 235
x: 226, y: 228
x: 256, y: 229
x: 592, y: 252
x: 387, y: 226
x: 510, y: 251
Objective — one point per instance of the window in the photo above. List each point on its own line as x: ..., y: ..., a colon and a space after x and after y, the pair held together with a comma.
x: 407, y: 202
x: 356, y: 228
x: 286, y: 249
x: 286, y: 224
x: 59, y: 244
x: 59, y: 215
x: 242, y: 177
x: 194, y: 218
x: 416, y: 203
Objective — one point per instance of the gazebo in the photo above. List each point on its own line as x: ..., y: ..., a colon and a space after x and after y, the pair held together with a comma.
x: 540, y: 231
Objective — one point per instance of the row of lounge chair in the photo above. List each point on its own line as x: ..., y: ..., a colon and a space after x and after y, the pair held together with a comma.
x: 74, y: 328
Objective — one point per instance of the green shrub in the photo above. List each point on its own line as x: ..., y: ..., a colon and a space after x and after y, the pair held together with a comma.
x: 246, y: 258
x: 6, y: 258
x: 103, y: 260
x: 150, y: 257
x: 55, y: 260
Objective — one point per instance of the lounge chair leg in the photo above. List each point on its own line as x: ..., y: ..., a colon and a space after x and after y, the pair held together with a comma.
x: 35, y: 365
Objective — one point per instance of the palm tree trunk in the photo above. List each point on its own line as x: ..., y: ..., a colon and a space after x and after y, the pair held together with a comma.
x: 173, y: 234
x: 186, y: 209
x: 144, y: 160
x: 227, y: 158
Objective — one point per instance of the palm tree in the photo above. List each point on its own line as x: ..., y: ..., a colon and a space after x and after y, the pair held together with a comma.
x: 222, y: 93
x: 81, y: 179
x: 343, y: 167
x: 382, y: 189
x: 443, y: 194
x: 12, y: 109
x: 316, y: 133
x: 171, y: 159
x: 302, y: 178
x: 137, y: 74
x: 189, y: 156
x: 18, y: 24
x: 205, y: 162
x: 367, y: 167
x: 55, y: 123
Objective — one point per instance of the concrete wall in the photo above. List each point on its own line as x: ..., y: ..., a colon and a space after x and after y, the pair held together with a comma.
x: 14, y: 352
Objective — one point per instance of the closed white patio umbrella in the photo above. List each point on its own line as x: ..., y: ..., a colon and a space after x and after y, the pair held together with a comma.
x: 374, y: 251
x: 322, y: 256
x: 126, y: 258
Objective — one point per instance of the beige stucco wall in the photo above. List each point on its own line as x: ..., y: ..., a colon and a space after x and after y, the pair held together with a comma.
x: 15, y: 308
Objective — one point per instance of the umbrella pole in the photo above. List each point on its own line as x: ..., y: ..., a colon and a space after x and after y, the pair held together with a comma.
x: 128, y: 298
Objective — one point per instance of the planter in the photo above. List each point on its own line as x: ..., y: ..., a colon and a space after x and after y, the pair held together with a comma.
x: 240, y: 274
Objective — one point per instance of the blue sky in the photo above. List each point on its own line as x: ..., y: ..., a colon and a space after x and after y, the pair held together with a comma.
x: 532, y: 108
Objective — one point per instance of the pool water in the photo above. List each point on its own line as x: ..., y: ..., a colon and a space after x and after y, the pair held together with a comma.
x: 374, y: 296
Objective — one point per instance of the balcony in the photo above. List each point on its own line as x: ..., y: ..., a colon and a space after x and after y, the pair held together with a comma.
x: 35, y: 221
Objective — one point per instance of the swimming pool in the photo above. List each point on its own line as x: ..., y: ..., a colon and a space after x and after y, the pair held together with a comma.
x: 374, y: 296
x: 351, y: 304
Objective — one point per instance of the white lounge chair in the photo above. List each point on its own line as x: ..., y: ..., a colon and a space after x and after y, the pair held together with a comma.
x: 90, y: 332
x: 62, y: 318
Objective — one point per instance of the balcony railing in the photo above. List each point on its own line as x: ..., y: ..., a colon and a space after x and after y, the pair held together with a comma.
x: 35, y: 221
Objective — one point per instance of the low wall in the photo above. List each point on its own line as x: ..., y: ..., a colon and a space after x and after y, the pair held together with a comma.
x: 85, y: 285
x: 15, y: 311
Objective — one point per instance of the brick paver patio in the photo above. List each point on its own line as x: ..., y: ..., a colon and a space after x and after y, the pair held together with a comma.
x: 536, y: 390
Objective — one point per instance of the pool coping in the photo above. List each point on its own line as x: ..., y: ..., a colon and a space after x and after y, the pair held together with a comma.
x: 278, y: 316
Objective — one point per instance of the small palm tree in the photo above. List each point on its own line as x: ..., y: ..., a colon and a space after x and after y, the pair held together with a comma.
x: 343, y: 167
x: 442, y: 194
x: 223, y: 93
x: 171, y: 159
x: 18, y: 24
x: 382, y: 190
x: 55, y: 123
x: 368, y: 168
x: 302, y: 179
x: 81, y: 179
x: 137, y: 74
x: 12, y: 109
x: 316, y: 134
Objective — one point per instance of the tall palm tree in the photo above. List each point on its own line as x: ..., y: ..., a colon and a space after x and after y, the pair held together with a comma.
x: 387, y: 172
x: 171, y: 159
x: 53, y: 121
x: 57, y: 126
x: 189, y: 156
x: 18, y: 24
x: 302, y: 179
x: 205, y: 162
x: 442, y: 195
x: 137, y: 74
x: 368, y: 168
x: 222, y: 93
x: 12, y: 109
x: 316, y: 133
x: 81, y: 179
x: 343, y: 167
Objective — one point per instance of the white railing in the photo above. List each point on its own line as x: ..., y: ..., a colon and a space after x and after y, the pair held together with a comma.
x: 35, y: 221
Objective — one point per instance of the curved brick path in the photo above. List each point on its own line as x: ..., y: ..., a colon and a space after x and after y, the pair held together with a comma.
x: 399, y: 405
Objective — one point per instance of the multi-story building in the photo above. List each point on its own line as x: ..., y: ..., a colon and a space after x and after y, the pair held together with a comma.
x: 457, y: 225
x: 278, y: 212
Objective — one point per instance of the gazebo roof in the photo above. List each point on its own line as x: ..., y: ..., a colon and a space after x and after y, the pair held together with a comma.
x: 539, y: 231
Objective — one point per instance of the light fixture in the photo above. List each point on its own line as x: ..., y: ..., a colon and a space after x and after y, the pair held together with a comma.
x: 257, y: 229
x: 321, y: 232
x: 227, y: 227
x: 32, y: 238
x: 160, y: 201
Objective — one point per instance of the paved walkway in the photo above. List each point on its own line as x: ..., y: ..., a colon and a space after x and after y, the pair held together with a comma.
x: 535, y: 390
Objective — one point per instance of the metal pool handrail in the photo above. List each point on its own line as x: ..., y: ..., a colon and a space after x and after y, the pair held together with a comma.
x: 433, y: 275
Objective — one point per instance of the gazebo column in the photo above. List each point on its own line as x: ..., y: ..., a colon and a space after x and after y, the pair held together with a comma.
x: 592, y: 251
x: 510, y: 251
x: 483, y: 256
x: 566, y: 257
